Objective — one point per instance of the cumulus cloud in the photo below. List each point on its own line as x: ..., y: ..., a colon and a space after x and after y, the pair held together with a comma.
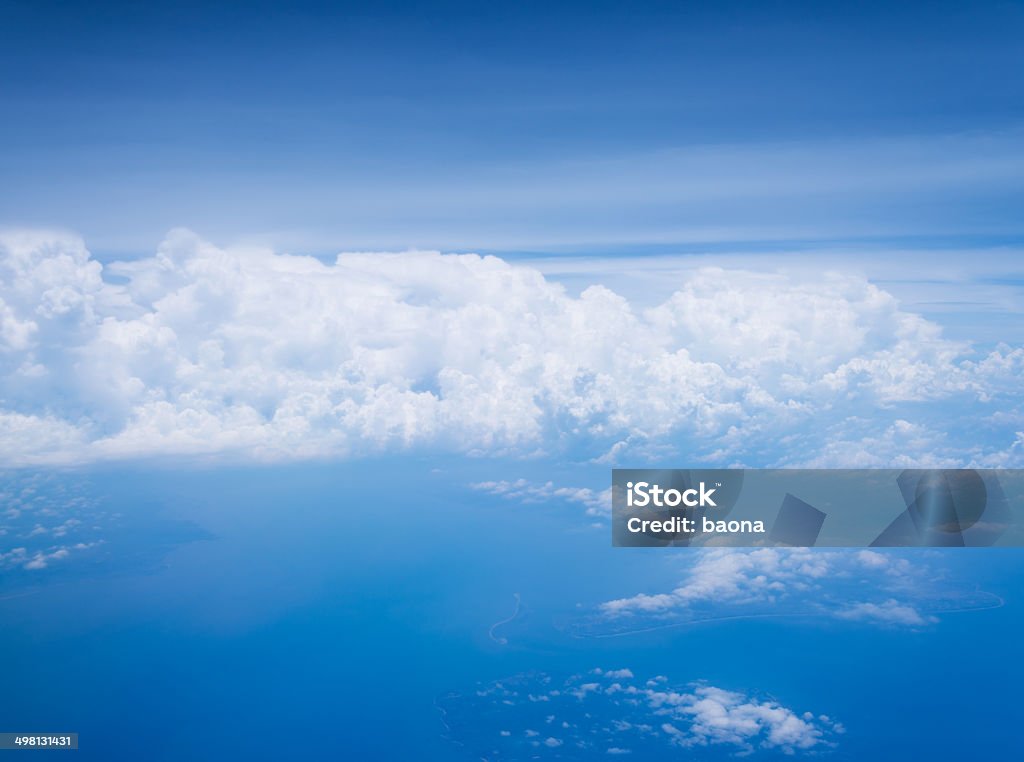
x: 40, y: 559
x: 649, y: 716
x: 877, y: 588
x: 890, y: 612
x: 718, y: 716
x: 728, y: 576
x: 199, y: 350
x: 618, y: 674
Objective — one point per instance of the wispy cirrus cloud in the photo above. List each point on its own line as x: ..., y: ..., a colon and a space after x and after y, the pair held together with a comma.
x: 596, y: 502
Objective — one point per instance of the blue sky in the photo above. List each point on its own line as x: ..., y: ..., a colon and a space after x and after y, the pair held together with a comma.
x: 759, y: 234
x: 504, y: 127
x: 232, y: 306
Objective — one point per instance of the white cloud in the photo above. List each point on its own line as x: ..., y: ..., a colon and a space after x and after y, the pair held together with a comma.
x: 582, y: 691
x: 890, y: 612
x: 199, y: 350
x: 719, y: 716
x: 888, y: 589
x: 728, y: 576
x: 619, y: 674
x: 40, y: 559
x: 647, y: 715
x: 596, y: 503
x: 872, y: 558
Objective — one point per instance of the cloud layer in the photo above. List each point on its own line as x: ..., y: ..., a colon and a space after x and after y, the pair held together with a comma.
x: 250, y: 354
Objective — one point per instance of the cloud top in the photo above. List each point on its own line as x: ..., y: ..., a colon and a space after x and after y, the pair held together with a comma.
x: 199, y: 351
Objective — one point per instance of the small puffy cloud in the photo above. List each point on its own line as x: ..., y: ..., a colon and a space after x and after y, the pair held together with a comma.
x: 581, y: 691
x: 888, y: 612
x: 41, y: 560
x: 618, y: 674
x: 872, y: 559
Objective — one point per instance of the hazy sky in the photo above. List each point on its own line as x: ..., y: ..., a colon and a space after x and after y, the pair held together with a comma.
x: 516, y: 126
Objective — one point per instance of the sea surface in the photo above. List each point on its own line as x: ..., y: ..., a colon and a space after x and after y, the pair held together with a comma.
x: 326, y: 612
